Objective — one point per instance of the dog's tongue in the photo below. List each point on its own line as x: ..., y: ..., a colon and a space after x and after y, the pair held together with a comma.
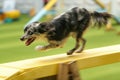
x: 29, y: 41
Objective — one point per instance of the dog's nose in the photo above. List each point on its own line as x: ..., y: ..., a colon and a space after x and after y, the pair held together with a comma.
x: 22, y: 39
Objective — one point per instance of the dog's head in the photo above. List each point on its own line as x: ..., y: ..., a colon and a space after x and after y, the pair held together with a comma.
x: 33, y: 30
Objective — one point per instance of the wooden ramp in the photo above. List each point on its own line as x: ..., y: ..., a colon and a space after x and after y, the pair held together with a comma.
x: 32, y: 69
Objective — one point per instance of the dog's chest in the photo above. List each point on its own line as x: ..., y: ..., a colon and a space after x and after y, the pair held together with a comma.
x: 42, y: 37
x: 73, y: 34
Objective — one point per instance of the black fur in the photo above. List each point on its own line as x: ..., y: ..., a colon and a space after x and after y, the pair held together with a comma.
x: 71, y: 23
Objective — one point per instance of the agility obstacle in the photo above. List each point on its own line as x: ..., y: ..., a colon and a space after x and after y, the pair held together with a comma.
x: 12, y: 14
x: 46, y: 68
x: 42, y: 12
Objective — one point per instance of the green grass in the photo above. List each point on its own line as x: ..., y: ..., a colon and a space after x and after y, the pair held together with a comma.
x: 12, y: 49
x: 106, y: 72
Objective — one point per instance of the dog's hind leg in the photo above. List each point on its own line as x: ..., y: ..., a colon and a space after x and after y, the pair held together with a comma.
x: 82, y: 47
x: 76, y: 46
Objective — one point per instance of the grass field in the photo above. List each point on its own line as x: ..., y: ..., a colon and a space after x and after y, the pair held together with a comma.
x: 12, y: 49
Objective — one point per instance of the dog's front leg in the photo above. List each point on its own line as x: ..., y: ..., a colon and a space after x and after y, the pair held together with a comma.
x: 47, y: 47
x: 83, y: 45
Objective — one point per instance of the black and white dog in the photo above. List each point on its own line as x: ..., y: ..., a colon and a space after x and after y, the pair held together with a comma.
x: 71, y: 23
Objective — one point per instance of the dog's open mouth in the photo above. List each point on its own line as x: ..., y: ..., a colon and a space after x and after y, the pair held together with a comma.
x: 29, y: 41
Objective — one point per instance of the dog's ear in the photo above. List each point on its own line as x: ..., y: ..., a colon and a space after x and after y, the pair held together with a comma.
x: 44, y: 27
x: 26, y: 28
x: 29, y: 25
x: 43, y: 24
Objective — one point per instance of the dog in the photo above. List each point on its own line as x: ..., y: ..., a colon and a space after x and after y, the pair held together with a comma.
x: 73, y: 23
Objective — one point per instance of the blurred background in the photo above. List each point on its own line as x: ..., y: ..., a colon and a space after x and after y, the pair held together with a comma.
x: 15, y: 14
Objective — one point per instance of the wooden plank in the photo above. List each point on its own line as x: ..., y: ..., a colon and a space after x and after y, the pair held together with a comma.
x: 2, y: 78
x: 48, y: 66
x: 47, y: 78
x: 7, y: 72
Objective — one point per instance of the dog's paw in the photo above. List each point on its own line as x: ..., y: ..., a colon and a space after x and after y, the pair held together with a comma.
x: 70, y: 52
x: 79, y: 51
x: 38, y: 48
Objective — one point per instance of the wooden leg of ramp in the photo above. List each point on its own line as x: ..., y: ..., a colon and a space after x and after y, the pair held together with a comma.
x: 63, y: 72
x: 73, y: 69
x: 68, y: 71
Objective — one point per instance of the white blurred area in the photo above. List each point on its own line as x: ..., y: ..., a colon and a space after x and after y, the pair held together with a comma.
x: 112, y: 5
x: 23, y: 5
x: 62, y: 5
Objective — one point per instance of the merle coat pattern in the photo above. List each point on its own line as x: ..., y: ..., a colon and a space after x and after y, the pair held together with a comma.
x: 73, y: 23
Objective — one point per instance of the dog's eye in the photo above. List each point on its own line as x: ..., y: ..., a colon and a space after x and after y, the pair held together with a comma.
x: 30, y: 33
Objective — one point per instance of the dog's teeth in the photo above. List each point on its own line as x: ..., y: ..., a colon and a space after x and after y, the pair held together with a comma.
x: 38, y: 48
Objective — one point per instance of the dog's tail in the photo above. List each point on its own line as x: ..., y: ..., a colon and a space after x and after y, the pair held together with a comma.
x: 100, y: 18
